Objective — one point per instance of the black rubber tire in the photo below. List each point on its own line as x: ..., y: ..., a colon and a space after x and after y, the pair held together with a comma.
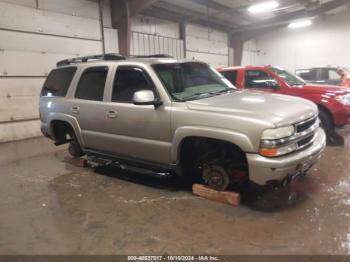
x: 74, y: 148
x: 333, y: 139
x: 326, y: 122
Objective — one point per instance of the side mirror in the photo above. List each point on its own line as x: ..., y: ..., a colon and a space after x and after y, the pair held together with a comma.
x: 145, y: 97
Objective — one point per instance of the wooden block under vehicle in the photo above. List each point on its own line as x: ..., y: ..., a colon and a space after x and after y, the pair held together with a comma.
x: 79, y: 162
x: 226, y: 197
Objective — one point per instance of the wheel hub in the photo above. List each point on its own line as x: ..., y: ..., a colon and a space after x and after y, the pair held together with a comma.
x: 215, y: 177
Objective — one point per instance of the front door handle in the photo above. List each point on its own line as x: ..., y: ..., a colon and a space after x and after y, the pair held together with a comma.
x: 111, y: 114
x: 75, y: 109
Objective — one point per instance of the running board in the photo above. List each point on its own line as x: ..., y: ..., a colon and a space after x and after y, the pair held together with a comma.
x: 95, y: 161
x: 143, y: 171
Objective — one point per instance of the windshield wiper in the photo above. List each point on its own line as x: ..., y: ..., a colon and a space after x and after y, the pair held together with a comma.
x: 196, y: 95
x: 207, y: 94
x: 223, y: 91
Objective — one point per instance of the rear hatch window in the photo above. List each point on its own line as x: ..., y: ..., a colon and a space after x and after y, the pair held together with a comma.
x: 58, y: 82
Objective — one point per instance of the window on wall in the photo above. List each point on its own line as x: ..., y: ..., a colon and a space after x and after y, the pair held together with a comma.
x: 127, y: 81
x: 92, y: 84
x: 58, y: 82
x: 259, y: 79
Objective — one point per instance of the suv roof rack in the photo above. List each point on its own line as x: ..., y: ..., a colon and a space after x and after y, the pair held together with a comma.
x: 84, y: 59
x: 108, y: 57
x: 152, y: 56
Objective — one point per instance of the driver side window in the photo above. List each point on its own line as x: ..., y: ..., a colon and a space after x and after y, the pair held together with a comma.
x: 127, y: 81
x: 259, y: 79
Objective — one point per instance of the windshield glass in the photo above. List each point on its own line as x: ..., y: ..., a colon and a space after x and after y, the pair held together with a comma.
x: 191, y: 80
x: 291, y: 79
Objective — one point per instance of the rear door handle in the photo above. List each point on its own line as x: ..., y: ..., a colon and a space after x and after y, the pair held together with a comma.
x: 75, y: 109
x: 111, y: 114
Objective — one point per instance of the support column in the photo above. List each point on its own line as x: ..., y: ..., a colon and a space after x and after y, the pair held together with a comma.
x: 122, y: 11
x: 121, y: 20
x: 237, y: 43
x: 183, y: 36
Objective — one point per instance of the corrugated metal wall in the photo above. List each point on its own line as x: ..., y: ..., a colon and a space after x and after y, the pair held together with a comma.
x: 34, y: 35
x: 155, y: 36
x: 207, y: 44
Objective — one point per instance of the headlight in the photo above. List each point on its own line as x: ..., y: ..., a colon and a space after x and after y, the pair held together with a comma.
x: 278, y: 133
x: 273, y: 141
x: 343, y: 99
x: 278, y: 151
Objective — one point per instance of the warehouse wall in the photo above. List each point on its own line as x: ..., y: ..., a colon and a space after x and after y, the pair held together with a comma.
x: 324, y: 43
x: 34, y: 35
x: 208, y: 45
x: 250, y: 56
x: 155, y: 36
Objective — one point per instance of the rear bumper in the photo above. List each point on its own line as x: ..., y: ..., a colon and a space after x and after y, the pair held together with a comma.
x: 45, y: 130
x: 263, y: 170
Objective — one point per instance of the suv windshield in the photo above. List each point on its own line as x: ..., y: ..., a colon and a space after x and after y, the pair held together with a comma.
x: 291, y: 79
x: 191, y: 80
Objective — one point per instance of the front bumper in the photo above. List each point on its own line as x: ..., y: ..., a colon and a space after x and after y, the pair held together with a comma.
x: 264, y: 169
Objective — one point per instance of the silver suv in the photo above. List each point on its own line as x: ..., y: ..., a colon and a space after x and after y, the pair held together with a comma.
x: 162, y: 116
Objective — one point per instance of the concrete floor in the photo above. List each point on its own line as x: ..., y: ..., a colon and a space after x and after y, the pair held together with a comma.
x: 49, y: 206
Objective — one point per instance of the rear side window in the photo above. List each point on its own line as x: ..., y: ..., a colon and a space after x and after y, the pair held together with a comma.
x: 333, y: 75
x: 92, y: 84
x: 128, y: 80
x: 58, y: 82
x: 231, y: 76
x: 307, y: 74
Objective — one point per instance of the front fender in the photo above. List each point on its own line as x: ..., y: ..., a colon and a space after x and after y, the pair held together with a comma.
x: 69, y: 119
x: 239, y: 139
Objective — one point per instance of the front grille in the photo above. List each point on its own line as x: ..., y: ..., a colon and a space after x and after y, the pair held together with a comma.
x: 306, y: 125
x: 305, y: 132
x: 305, y: 141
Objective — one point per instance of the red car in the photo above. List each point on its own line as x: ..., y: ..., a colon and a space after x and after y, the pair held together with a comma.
x: 333, y: 101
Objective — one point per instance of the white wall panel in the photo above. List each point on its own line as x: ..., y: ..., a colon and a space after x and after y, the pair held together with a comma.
x: 28, y: 3
x: 14, y: 86
x: 19, y: 98
x: 145, y: 44
x: 17, y: 41
x: 212, y: 59
x: 207, y: 44
x: 250, y: 53
x: 155, y: 26
x: 29, y: 19
x: 19, y: 108
x: 17, y: 63
x: 322, y: 44
x: 82, y: 8
x: 202, y: 39
x: 31, y: 42
x: 111, y: 40
x: 19, y: 130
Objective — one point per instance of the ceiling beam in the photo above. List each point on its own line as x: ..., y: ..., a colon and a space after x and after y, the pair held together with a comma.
x: 223, y: 9
x: 134, y: 7
x: 166, y: 10
x: 288, y: 17
x: 137, y: 6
